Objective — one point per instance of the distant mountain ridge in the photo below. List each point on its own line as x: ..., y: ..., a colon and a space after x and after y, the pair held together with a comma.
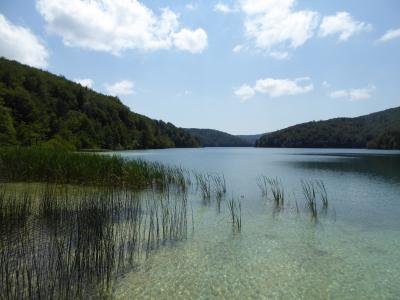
x: 40, y: 108
x: 216, y: 138
x: 250, y: 138
x: 380, y: 130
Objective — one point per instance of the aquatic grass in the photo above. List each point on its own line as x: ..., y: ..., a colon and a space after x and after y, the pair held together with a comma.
x: 219, y: 183
x: 219, y: 189
x: 203, y: 182
x: 88, y: 223
x: 235, y: 209
x: 36, y: 164
x: 312, y: 191
x: 323, y: 193
x: 277, y: 191
x: 78, y: 240
x: 309, y: 192
x: 262, y: 182
x: 14, y: 209
x: 211, y: 186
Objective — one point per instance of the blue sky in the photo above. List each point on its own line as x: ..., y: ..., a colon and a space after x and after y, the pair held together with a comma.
x: 245, y: 66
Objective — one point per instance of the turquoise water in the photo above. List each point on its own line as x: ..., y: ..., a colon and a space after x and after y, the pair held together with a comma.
x: 351, y: 252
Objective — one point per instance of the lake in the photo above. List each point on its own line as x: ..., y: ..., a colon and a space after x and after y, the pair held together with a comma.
x: 350, y: 251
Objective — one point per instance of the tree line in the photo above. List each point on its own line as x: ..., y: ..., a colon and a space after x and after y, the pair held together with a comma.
x: 39, y: 108
x: 380, y: 130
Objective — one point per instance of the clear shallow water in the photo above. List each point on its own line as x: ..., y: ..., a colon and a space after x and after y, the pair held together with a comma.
x: 352, y: 253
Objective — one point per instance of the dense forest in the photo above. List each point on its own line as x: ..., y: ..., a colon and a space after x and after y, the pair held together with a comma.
x: 39, y: 108
x: 216, y: 138
x: 250, y: 138
x: 380, y: 130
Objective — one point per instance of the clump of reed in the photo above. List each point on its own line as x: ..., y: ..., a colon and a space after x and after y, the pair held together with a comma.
x: 14, y: 209
x: 310, y: 197
x: 314, y: 192
x: 235, y: 209
x: 262, y: 182
x: 34, y: 164
x: 311, y: 190
x: 211, y: 186
x: 219, y: 189
x: 323, y: 193
x: 277, y: 191
x: 77, y: 240
x: 204, y: 185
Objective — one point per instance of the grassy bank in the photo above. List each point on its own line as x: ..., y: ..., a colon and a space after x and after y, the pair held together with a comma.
x: 57, y: 166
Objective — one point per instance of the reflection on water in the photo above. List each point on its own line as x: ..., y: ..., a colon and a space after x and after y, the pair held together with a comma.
x: 383, y: 166
x: 351, y: 254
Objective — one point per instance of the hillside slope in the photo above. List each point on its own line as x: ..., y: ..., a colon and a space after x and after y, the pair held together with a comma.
x: 37, y: 107
x: 250, y: 138
x: 216, y: 138
x: 379, y: 130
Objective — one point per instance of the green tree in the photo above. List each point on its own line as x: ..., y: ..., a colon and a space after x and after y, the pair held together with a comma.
x: 41, y: 108
x: 7, y: 130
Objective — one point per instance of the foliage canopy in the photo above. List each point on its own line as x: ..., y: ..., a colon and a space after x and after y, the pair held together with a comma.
x: 380, y: 130
x: 39, y: 108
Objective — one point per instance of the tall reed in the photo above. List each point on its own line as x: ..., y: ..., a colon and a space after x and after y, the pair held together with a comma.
x: 310, y: 197
x: 323, y: 193
x: 219, y: 189
x: 78, y: 240
x: 211, y: 186
x: 14, y: 208
x: 262, y: 182
x: 314, y: 190
x: 235, y: 209
x: 277, y: 191
x: 204, y: 185
x: 45, y: 165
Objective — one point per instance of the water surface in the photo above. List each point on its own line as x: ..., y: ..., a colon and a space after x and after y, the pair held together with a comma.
x: 351, y: 252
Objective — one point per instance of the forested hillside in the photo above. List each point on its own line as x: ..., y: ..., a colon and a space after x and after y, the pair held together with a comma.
x: 250, y: 138
x: 39, y: 108
x: 380, y: 130
x: 216, y: 138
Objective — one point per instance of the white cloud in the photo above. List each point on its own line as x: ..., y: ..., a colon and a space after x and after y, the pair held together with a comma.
x: 282, y: 87
x: 275, y: 87
x: 238, y: 48
x: 244, y: 92
x: 19, y: 43
x: 116, y: 26
x: 87, y: 82
x: 354, y: 94
x: 279, y: 55
x: 275, y: 26
x: 224, y: 8
x: 191, y: 6
x: 189, y: 40
x: 124, y: 87
x: 390, y: 35
x: 343, y: 24
x: 326, y: 84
